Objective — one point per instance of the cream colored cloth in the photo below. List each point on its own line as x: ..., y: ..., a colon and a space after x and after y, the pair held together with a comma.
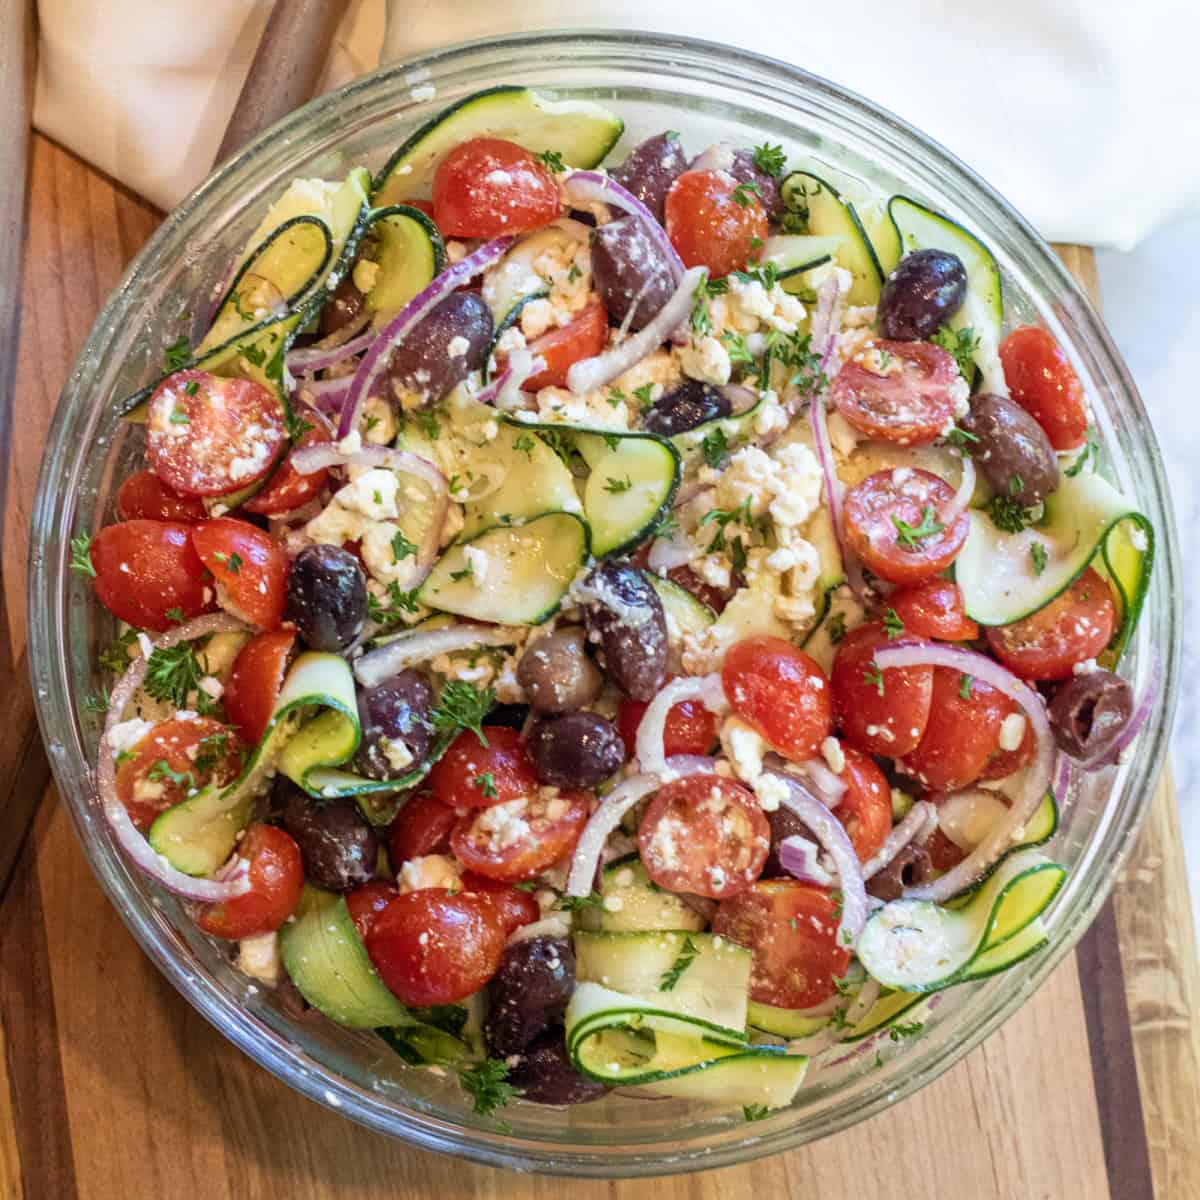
x: 1085, y: 113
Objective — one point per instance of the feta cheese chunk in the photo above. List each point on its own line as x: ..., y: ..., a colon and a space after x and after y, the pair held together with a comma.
x: 428, y: 871
x: 258, y: 957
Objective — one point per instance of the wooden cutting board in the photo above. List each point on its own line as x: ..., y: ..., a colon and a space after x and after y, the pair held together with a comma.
x: 111, y: 1086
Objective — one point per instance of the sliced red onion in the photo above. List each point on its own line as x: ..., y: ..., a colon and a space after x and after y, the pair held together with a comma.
x: 827, y: 315
x: 669, y: 552
x: 1062, y: 778
x: 309, y: 359
x: 829, y: 787
x: 834, y: 840
x: 594, y: 187
x: 375, y: 361
x: 718, y: 157
x: 920, y: 820
x: 493, y: 388
x: 1137, y: 718
x: 798, y: 856
x: 328, y: 395
x: 651, y: 753
x: 232, y: 880
x: 1038, y: 775
x: 591, y: 373
x: 612, y: 808
x: 834, y: 494
x: 741, y: 399
x: 504, y: 392
x: 409, y: 649
x: 962, y: 497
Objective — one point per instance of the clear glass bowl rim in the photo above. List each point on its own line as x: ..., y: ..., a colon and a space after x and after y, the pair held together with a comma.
x: 54, y: 516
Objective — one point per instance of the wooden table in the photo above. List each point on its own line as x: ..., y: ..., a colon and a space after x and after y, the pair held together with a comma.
x: 112, y: 1086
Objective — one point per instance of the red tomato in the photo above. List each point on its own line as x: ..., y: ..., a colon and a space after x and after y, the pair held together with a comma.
x: 1042, y: 381
x: 704, y: 834
x: 146, y: 570
x: 472, y: 775
x: 516, y: 908
x: 251, y: 570
x: 690, y: 729
x: 585, y: 337
x: 488, y: 187
x: 866, y: 807
x: 172, y: 760
x: 1004, y: 762
x: 878, y: 712
x: 287, y: 489
x: 515, y: 842
x: 208, y: 436
x: 435, y: 946
x: 934, y: 609
x: 902, y: 396
x: 1076, y: 625
x: 255, y: 680
x: 961, y: 734
x: 715, y: 222
x: 424, y: 206
x: 276, y: 881
x: 781, y: 691
x: 367, y: 902
x: 943, y: 853
x: 887, y: 516
x: 145, y: 497
x: 423, y: 826
x: 792, y: 929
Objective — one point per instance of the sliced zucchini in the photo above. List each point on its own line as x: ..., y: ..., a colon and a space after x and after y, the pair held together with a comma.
x: 1087, y: 522
x: 631, y: 485
x: 410, y: 254
x: 1042, y: 826
x: 917, y: 946
x: 784, y: 1022
x: 818, y: 205
x: 524, y: 571
x: 581, y: 131
x: 326, y: 960
x: 515, y: 279
x: 637, y: 904
x: 688, y: 614
x: 886, y: 1011
x: 691, y: 445
x: 1008, y: 953
x: 920, y: 228
x: 795, y: 253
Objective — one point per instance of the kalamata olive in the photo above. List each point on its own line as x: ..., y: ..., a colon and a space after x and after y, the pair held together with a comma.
x: 396, y: 727
x: 744, y: 170
x: 910, y: 868
x: 556, y: 672
x: 345, y: 306
x: 578, y: 750
x: 511, y: 716
x: 338, y: 847
x: 326, y: 597
x: 689, y: 405
x: 444, y: 348
x: 544, y: 1074
x: 630, y: 272
x: 529, y: 993
x: 625, y: 615
x: 784, y: 824
x: 1089, y: 711
x: 1011, y: 449
x: 924, y: 291
x: 649, y: 171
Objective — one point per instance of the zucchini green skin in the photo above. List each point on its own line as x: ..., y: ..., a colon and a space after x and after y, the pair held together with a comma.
x: 643, y: 907
x: 411, y: 255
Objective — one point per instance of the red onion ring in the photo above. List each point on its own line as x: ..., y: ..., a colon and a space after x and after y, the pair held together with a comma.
x: 320, y: 358
x: 1062, y: 778
x: 834, y: 494
x: 827, y: 317
x: 1138, y: 718
x: 798, y: 856
x: 406, y: 320
x: 232, y: 880
x: 590, y: 373
x: 829, y: 788
x: 962, y: 497
x: 741, y: 399
x: 918, y: 821
x: 1038, y: 776
x: 651, y: 753
x: 377, y: 665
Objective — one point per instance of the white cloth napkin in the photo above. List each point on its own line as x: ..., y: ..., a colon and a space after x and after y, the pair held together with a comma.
x: 1084, y: 113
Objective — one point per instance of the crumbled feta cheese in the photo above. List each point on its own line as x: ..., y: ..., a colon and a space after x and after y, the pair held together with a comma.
x: 124, y: 736
x: 498, y: 178
x: 351, y: 443
x: 776, y: 309
x: 335, y: 525
x: 479, y: 563
x: 366, y: 274
x: 743, y: 747
x: 457, y: 346
x: 536, y: 317
x: 258, y: 957
x: 831, y: 752
x: 960, y: 393
x: 504, y: 824
x: 373, y: 494
x: 1086, y: 667
x: 397, y: 753
x: 428, y: 871
x: 1012, y: 731
x: 705, y: 359
x: 771, y: 792
x: 379, y: 421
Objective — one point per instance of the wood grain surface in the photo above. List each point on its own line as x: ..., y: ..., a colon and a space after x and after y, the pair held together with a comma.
x: 111, y: 1086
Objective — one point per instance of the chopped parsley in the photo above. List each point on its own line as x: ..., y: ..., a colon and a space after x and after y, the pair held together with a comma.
x: 176, y: 615
x: 769, y: 159
x: 1007, y: 515
x: 759, y: 272
x: 179, y: 417
x: 231, y: 562
x: 528, y: 885
x: 964, y: 686
x: 486, y: 783
x: 892, y: 623
x: 465, y: 573
x: 645, y: 395
x: 116, y: 657
x: 874, y: 676
x: 961, y: 345
x: 664, y: 526
x: 705, y: 290
x: 845, y: 987
x: 463, y: 706
x: 525, y: 444
x: 1091, y: 450
x: 487, y: 1085
x: 616, y: 486
x: 402, y: 548
x: 962, y: 438
x: 574, y: 273
x: 430, y: 426
x: 211, y: 751
x: 254, y: 355
x: 901, y: 1030
x: 297, y: 427
x: 714, y: 446
x: 745, y: 194
x: 94, y: 702
x: 722, y: 518
x: 793, y: 351
x: 552, y: 160
x: 1037, y: 554
x: 162, y: 770
x: 191, y: 388
x: 755, y: 1112
x: 81, y: 555
x: 672, y: 975
x: 173, y: 674
x: 910, y: 536
x: 397, y: 603
x: 735, y: 345
x: 578, y: 903
x: 178, y: 354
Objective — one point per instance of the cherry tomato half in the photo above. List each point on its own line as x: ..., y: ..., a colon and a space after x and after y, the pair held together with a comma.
x: 584, y: 337
x: 781, y: 691
x: 149, y: 575
x: 208, y: 436
x: 934, y: 609
x: 865, y: 808
x: 287, y: 489
x: 897, y: 391
x: 472, y: 775
x: 892, y: 524
x: 514, y: 842
x: 143, y: 496
x: 250, y: 568
x: 715, y: 222
x: 488, y: 187
x: 367, y: 902
x: 690, y: 728
x: 276, y: 881
x: 879, y: 712
x: 1075, y: 626
x: 704, y: 834
x: 435, y: 946
x: 423, y: 826
x: 1004, y: 763
x: 255, y: 680
x: 173, y: 759
x: 1042, y: 381
x: 516, y: 908
x: 792, y: 929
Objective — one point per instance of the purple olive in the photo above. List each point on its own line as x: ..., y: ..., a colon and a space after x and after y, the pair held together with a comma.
x: 924, y: 291
x: 650, y: 170
x: 444, y: 348
x: 396, y: 728
x: 544, y: 1074
x: 326, y: 597
x: 578, y: 750
x: 338, y: 847
x: 625, y: 616
x: 744, y: 170
x: 1011, y: 449
x: 1088, y: 713
x: 910, y: 868
x: 630, y: 272
x: 529, y: 993
x: 689, y: 405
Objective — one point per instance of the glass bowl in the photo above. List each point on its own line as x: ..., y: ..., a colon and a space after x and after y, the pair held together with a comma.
x: 655, y: 82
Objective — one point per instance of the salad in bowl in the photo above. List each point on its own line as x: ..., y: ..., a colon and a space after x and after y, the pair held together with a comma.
x: 621, y: 626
